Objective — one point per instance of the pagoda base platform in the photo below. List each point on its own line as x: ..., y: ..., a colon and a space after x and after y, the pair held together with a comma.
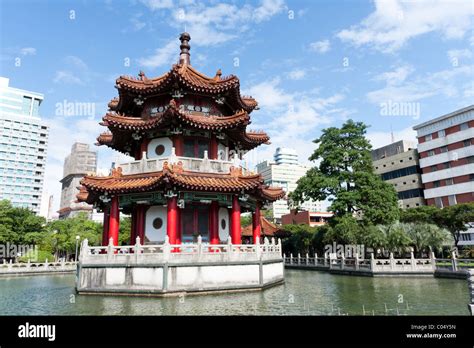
x: 167, y: 270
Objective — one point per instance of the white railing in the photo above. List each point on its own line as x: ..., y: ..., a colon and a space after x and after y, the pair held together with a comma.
x: 179, y: 253
x: 201, y: 165
x: 35, y: 267
x: 330, y: 262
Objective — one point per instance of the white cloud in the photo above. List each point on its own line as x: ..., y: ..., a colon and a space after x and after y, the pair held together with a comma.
x: 210, y: 25
x: 166, y: 55
x: 157, y: 4
x: 395, y: 22
x: 320, y: 46
x: 458, y: 54
x: 77, y: 72
x: 267, y: 9
x: 62, y: 76
x: 379, y: 139
x: 28, y: 51
x: 296, y: 74
x: 396, y: 76
x: 290, y: 117
x: 442, y: 83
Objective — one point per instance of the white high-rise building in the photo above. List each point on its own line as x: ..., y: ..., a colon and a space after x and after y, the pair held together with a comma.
x: 23, y: 146
x: 284, y: 172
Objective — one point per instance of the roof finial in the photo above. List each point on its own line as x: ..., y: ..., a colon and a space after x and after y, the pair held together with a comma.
x: 184, y: 56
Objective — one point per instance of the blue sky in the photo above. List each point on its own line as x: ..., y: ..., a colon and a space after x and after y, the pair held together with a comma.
x: 310, y: 64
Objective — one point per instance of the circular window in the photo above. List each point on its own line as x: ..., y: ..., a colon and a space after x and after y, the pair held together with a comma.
x: 159, y: 149
x: 157, y: 223
x: 223, y: 224
x: 197, y: 108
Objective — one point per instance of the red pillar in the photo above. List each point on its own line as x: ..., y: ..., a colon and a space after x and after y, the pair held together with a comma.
x: 235, y: 229
x: 178, y: 144
x: 114, y: 220
x: 213, y: 147
x: 140, y: 225
x: 179, y: 231
x: 214, y: 223
x: 133, y: 229
x: 105, y: 233
x: 257, y: 228
x: 172, y: 224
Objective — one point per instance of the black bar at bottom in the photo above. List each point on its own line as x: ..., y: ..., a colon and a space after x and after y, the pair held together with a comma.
x: 204, y: 330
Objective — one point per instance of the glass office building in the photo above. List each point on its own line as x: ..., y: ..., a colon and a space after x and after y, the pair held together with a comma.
x: 23, y: 146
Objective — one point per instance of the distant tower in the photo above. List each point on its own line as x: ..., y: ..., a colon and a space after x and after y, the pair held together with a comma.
x: 80, y: 162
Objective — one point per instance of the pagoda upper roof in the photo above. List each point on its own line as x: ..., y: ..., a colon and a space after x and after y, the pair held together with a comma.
x: 173, y: 175
x: 184, y: 77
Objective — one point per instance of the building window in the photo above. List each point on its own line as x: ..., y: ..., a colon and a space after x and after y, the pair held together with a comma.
x: 436, y: 183
x: 159, y: 149
x: 431, y: 153
x: 428, y: 137
x: 463, y: 126
x: 157, y: 223
x: 467, y: 142
x: 449, y: 181
x: 439, y: 202
x: 441, y: 133
x: 452, y: 199
x: 471, y: 177
x: 195, y: 147
x: 446, y: 165
x: 434, y: 168
x: 443, y: 149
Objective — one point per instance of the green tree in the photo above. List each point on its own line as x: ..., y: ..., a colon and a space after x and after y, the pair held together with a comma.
x: 125, y: 231
x: 455, y: 219
x: 373, y: 237
x: 245, y: 220
x: 20, y: 225
x: 396, y: 238
x: 62, y: 234
x: 345, y: 177
x: 344, y: 230
x: 424, y: 213
x: 424, y: 236
x: 298, y: 239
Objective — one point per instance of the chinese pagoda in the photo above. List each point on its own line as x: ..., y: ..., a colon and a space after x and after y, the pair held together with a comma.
x: 185, y: 188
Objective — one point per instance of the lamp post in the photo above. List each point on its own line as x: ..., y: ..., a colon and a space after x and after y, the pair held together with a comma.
x: 77, y: 243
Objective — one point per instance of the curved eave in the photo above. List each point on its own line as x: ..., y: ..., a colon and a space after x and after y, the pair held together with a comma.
x: 188, y: 77
x: 195, y: 120
x: 272, y: 193
x: 117, y: 183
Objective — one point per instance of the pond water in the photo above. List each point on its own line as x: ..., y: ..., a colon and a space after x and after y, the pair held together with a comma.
x: 304, y: 293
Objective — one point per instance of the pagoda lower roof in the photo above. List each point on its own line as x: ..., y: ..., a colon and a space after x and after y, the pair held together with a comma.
x: 173, y: 175
x: 184, y: 75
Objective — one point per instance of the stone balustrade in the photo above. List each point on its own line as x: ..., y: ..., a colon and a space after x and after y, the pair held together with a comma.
x: 179, y: 253
x: 200, y: 165
x: 36, y: 267
x: 382, y: 266
x: 470, y: 280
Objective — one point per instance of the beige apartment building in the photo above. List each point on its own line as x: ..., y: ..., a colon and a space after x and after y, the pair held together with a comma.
x: 398, y: 164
